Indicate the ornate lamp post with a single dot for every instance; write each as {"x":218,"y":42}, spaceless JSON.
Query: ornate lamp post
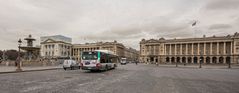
{"x":18,"y":58}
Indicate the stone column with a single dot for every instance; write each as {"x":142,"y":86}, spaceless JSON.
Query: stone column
{"x":217,"y":48}
{"x":165,"y":49}
{"x":170,"y":49}
{"x":186,"y":58}
{"x":231,"y":54}
{"x":198,"y":49}
{"x":204,"y":59}
{"x":192,"y":49}
{"x":186,"y":49}
{"x":175,"y":51}
{"x":224,"y":48}
{"x":78,"y":53}
{"x":181,"y":49}
{"x":211,"y":48}
{"x":204,"y":49}
{"x":170,"y":61}
{"x":153,"y":48}
{"x":210,"y":60}
{"x":231,"y":48}
{"x":149,"y":50}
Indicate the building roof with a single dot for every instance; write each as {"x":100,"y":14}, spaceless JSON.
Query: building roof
{"x":100,"y":44}
{"x":204,"y":38}
{"x":56,"y":38}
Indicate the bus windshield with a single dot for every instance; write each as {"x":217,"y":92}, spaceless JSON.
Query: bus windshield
{"x":89,"y":55}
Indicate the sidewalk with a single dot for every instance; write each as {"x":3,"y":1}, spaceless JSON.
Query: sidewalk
{"x":12,"y":69}
{"x":197,"y":66}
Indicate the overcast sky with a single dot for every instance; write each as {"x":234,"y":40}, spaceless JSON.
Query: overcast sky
{"x":127,"y":21}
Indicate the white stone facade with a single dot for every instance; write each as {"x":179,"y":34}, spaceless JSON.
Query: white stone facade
{"x":56,"y":48}
{"x":208,"y":50}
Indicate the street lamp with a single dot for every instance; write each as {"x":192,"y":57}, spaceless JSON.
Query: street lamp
{"x":18,"y":60}
{"x":200,"y":63}
{"x":200,"y":60}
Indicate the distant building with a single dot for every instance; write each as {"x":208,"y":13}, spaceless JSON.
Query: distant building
{"x":56,"y":46}
{"x":208,"y":50}
{"x":131,"y":54}
{"x":117,"y":48}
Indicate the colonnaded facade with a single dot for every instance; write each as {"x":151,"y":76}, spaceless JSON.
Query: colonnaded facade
{"x":117,"y":48}
{"x":61,"y":47}
{"x":207,"y":50}
{"x":56,"y":47}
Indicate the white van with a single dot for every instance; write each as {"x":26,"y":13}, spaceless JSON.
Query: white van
{"x":123,"y":61}
{"x":70,"y":64}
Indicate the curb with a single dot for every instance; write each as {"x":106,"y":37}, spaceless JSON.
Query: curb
{"x":197,"y":67}
{"x":29,"y":70}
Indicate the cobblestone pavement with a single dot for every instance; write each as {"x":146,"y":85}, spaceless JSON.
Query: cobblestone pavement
{"x":125,"y":79}
{"x":13,"y":68}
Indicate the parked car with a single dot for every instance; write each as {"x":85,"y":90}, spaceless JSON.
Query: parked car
{"x":71,"y":64}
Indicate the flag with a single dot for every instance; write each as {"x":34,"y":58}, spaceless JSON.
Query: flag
{"x":194,"y":23}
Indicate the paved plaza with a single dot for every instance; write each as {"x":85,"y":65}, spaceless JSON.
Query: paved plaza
{"x":9,"y":69}
{"x":128,"y":78}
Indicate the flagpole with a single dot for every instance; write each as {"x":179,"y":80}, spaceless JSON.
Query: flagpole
{"x":194,"y":25}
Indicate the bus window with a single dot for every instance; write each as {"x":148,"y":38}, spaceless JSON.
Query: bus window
{"x":89,"y":56}
{"x":102,"y":58}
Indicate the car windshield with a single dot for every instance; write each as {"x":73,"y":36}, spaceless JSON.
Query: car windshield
{"x":89,"y":55}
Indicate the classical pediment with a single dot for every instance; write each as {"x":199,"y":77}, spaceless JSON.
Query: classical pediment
{"x":49,"y":41}
{"x":152,"y":41}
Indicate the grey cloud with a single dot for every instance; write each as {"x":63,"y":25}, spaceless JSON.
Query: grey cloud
{"x":127,"y":21}
{"x":223,"y":4}
{"x":107,"y":35}
{"x":219,"y":26}
{"x":153,"y":29}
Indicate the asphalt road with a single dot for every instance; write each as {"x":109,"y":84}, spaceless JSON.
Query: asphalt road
{"x":125,"y":79}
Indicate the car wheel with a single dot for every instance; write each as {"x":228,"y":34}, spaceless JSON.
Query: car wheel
{"x":106,"y":67}
{"x":71,"y":67}
{"x":115,"y":66}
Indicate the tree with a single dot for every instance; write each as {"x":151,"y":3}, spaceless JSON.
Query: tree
{"x":1,"y":53}
{"x":12,"y":54}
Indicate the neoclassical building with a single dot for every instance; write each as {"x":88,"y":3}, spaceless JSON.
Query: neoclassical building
{"x":61,"y":47}
{"x":208,"y":50}
{"x":117,"y":48}
{"x":57,"y":47}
